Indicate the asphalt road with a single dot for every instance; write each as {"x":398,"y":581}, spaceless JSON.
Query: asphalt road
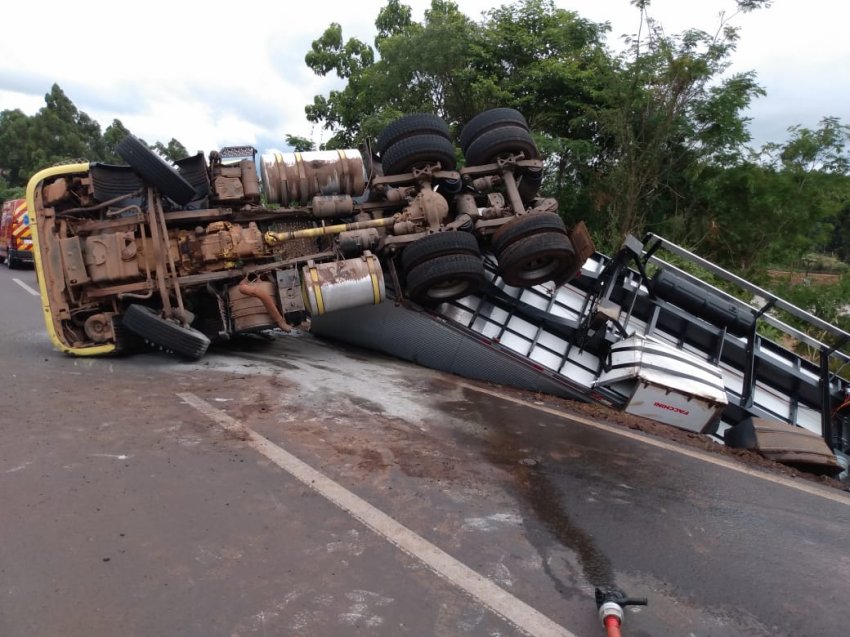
{"x":294,"y":487}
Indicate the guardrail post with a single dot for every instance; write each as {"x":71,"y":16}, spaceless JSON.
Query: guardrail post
{"x":826,"y":408}
{"x":749,"y":369}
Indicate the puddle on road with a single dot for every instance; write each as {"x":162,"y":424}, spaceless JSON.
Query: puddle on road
{"x":509,"y":451}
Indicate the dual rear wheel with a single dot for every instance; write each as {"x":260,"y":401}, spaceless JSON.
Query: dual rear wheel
{"x":442,"y":267}
{"x":415,"y":141}
{"x":533,"y":249}
{"x":445,"y":266}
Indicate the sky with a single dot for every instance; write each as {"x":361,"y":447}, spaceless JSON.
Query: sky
{"x":219,"y":72}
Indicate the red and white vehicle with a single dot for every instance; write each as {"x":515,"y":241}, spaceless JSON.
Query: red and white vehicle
{"x":15,"y":234}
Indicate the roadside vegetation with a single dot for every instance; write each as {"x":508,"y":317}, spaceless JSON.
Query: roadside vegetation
{"x":59,"y":133}
{"x":650,"y":137}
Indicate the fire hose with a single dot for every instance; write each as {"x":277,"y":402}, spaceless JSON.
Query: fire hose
{"x":611,"y":603}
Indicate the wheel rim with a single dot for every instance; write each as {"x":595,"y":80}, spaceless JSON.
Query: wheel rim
{"x":449,"y":289}
{"x":537,"y":258}
{"x":538,"y":267}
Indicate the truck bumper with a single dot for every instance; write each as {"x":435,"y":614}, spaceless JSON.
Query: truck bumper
{"x":21,"y":256}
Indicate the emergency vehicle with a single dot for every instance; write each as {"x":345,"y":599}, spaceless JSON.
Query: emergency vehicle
{"x":15,"y":234}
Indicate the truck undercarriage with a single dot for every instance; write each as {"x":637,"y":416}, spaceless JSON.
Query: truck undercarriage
{"x":180,"y":256}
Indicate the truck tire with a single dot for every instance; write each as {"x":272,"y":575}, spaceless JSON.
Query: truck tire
{"x":525,"y":226}
{"x":438,"y":245}
{"x":126,"y":341}
{"x":498,"y":142}
{"x":153,"y":169}
{"x":409,"y":125}
{"x":445,"y":278}
{"x":547,"y":256}
{"x":417,"y":151}
{"x":194,"y":170}
{"x":147,"y":323}
{"x":488,"y":120}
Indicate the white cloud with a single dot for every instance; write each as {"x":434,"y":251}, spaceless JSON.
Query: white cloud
{"x":215,"y":72}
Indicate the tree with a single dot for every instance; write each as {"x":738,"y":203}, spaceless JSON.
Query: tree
{"x":817,"y":163}
{"x":10,"y":192}
{"x":173,"y":151}
{"x":775,"y":207}
{"x":668,"y":114}
{"x":839,"y":240}
{"x":112,"y":136}
{"x":300,"y":144}
{"x":59,"y":132}
{"x":14,"y":146}
{"x":531,"y":56}
{"x":653,"y":138}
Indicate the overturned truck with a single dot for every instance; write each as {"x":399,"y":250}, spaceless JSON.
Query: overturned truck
{"x":487,"y":280}
{"x":181,"y":255}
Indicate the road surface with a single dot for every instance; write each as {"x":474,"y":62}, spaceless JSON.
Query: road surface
{"x":295,"y":487}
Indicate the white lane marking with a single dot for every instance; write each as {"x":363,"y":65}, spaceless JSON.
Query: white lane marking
{"x":823,"y":492}
{"x":510,"y":608}
{"x":29,"y":289}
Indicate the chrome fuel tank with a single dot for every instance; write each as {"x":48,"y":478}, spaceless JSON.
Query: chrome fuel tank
{"x":297,"y":177}
{"x":340,"y":285}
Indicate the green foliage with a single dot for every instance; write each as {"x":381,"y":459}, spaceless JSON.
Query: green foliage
{"x":10,"y":192}
{"x":830,"y":303}
{"x":531,"y":56}
{"x":14,"y":142}
{"x":627,"y":137}
{"x":790,"y":200}
{"x":112,"y":136}
{"x":651,"y":139}
{"x":172,"y":151}
{"x":300,"y":144}
{"x":823,"y":150}
{"x":668,"y":114}
{"x":59,"y":132}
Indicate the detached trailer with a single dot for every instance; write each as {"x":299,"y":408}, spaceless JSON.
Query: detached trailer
{"x":636,"y":333}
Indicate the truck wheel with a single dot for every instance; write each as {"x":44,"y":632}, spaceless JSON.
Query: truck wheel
{"x":533,"y":260}
{"x":498,"y":142}
{"x":11,"y":262}
{"x":152,"y":168}
{"x":445,"y":278}
{"x":417,"y":152}
{"x":126,"y":341}
{"x":147,"y":323}
{"x":438,"y":245}
{"x":409,"y":125}
{"x":488,"y":120}
{"x":525,"y":226}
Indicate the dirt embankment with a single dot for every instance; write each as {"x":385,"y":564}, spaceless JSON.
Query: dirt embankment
{"x":660,"y":430}
{"x":818,"y":278}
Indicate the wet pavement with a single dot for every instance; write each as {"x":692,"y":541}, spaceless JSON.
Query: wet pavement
{"x":127,"y":511}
